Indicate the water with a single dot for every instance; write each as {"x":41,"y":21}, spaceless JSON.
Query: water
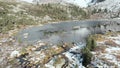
{"x":59,"y":32}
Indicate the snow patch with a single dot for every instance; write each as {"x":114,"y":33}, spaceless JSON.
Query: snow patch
{"x":14,"y":54}
{"x":112,"y":49}
{"x":115,"y":39}
{"x":81,"y":3}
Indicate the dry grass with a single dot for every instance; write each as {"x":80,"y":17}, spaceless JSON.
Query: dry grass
{"x":111,"y":43}
{"x":50,"y":52}
{"x":100,"y":49}
{"x":106,"y":61}
{"x":99,"y":37}
{"x":59,"y":60}
{"x":118,"y":57}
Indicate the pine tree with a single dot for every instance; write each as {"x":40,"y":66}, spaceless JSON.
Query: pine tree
{"x":86,"y":56}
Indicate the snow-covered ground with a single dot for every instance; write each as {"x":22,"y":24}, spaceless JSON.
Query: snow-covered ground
{"x":116,"y":39}
{"x":73,"y":57}
{"x":109,"y":53}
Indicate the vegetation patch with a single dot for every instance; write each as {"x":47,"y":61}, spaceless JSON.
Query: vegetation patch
{"x":58,"y":12}
{"x":90,"y":46}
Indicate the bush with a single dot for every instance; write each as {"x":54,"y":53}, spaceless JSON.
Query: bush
{"x":94,"y":11}
{"x":90,"y":46}
{"x":77,"y":12}
{"x":90,"y":43}
{"x":86,"y":56}
{"x":105,"y":10}
{"x":58,"y":11}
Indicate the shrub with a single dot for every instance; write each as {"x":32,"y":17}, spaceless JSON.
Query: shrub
{"x":77,"y":12}
{"x":90,"y":46}
{"x":90,"y":43}
{"x":58,"y":11}
{"x":86,"y":56}
{"x":94,"y":11}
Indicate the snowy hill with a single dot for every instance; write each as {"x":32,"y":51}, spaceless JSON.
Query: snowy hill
{"x":109,"y":4}
{"x":112,"y":5}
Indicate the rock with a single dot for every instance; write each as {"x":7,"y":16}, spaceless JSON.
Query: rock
{"x":1,"y":60}
{"x":46,"y":18}
{"x":14,"y":54}
{"x":59,"y":62}
{"x":76,"y":27}
{"x":80,"y":3}
{"x":55,"y":62}
{"x":4,"y":40}
{"x":25,"y":35}
{"x":40,"y":43}
{"x":0,"y":43}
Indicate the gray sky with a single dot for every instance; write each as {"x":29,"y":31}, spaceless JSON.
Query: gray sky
{"x":28,"y":0}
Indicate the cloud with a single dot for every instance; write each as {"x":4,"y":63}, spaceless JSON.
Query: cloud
{"x":30,"y":1}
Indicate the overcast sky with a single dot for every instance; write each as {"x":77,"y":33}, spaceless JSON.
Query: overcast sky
{"x":27,"y":0}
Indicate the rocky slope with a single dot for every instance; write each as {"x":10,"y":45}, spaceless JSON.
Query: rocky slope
{"x":110,"y":5}
{"x":106,"y":9}
{"x":97,"y":8}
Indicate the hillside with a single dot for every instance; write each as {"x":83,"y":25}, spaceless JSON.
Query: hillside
{"x":22,"y":13}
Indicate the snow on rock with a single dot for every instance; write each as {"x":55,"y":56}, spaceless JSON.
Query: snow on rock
{"x":46,"y":18}
{"x":50,"y":64}
{"x":113,"y":49}
{"x":55,"y":62}
{"x":116,"y":39}
{"x":72,"y":58}
{"x":40,"y":43}
{"x":112,"y":5}
{"x":3,"y":40}
{"x":14,"y":54}
{"x":75,"y":58}
{"x":77,"y":47}
{"x":108,"y":56}
{"x":82,"y":3}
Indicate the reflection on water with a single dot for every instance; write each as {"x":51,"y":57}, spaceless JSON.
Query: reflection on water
{"x":69,"y":36}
